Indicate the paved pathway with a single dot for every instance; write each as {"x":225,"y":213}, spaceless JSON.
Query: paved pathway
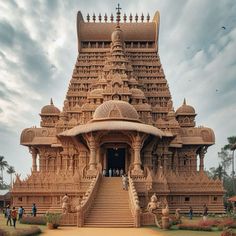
{"x":72,"y":231}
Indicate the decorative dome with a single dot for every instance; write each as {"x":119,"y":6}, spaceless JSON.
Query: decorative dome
{"x":50,"y":109}
{"x":117,"y":35}
{"x":115,"y":109}
{"x":185,"y":110}
{"x":137,"y":93}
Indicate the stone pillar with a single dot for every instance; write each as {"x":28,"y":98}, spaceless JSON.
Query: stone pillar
{"x":34,"y":153}
{"x":137,"y":159}
{"x":34,"y":159}
{"x":92,"y":158}
{"x":201,"y":156}
{"x":42,"y":166}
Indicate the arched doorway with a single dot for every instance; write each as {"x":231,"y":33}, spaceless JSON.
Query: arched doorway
{"x":115,"y":156}
{"x":116,"y":159}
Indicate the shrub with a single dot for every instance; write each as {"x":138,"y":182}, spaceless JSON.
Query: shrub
{"x":174,"y":221}
{"x":37,"y":220}
{"x":226,"y":223}
{"x":210,"y":223}
{"x":228,"y":232}
{"x":195,"y":227}
{"x":53,"y":218}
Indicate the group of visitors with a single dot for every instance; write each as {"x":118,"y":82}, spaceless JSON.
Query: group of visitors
{"x":113,"y":173}
{"x":11,"y":214}
{"x":204,"y":213}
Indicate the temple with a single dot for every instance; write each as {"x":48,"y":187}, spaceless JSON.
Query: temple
{"x":117,"y":115}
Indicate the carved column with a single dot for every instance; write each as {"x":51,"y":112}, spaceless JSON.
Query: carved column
{"x":42,"y":161}
{"x":34,"y":153}
{"x":201,"y":156}
{"x":137,"y":159}
{"x":92,"y":158}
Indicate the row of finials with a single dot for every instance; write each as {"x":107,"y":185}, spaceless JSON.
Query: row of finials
{"x":136,"y":17}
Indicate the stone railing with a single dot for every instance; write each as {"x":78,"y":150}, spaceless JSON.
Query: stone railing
{"x":87,"y":200}
{"x":134,"y":203}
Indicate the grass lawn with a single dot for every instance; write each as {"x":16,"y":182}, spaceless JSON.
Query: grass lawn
{"x":11,"y":229}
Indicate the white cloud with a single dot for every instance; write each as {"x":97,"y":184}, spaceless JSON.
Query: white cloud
{"x":38,"y":50}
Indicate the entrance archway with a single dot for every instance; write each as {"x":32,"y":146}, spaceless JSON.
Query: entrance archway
{"x":116,"y":158}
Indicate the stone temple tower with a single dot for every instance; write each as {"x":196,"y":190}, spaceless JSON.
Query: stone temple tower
{"x":118,"y":117}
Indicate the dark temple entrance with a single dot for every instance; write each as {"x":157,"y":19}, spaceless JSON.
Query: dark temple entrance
{"x":116,"y":158}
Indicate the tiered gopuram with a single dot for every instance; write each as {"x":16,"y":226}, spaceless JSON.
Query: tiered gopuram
{"x":118,"y":115}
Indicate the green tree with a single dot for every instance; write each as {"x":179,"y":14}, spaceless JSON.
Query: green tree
{"x":231,"y":146}
{"x":10,"y":171}
{"x":225,"y":158}
{"x":218,"y":172}
{"x":3,"y":165}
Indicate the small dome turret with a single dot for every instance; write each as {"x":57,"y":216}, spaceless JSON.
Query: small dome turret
{"x":49,"y":115}
{"x":50,"y":109}
{"x":185,"y":115}
{"x":185,"y":109}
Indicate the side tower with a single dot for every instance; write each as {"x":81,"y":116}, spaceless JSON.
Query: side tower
{"x":118,"y":114}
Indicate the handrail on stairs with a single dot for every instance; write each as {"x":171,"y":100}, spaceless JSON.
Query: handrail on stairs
{"x":134,"y":202}
{"x":88,"y":199}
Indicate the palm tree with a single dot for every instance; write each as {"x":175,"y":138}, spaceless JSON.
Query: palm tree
{"x":10,"y":171}
{"x":3,"y":165}
{"x":231,"y":146}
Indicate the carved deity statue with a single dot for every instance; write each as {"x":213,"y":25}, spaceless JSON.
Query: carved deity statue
{"x":65,"y":204}
{"x":153,"y":204}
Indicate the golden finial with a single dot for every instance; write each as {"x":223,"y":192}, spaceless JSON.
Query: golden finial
{"x":118,"y":14}
{"x":105,"y":17}
{"x":125,"y":17}
{"x":130,"y":17}
{"x":88,"y":17}
{"x":94,"y":17}
{"x":112,"y":17}
{"x":142,"y":17}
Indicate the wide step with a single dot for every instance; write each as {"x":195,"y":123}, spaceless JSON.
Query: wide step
{"x":111,"y":206}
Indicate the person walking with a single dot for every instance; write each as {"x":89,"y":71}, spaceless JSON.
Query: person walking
{"x":14,"y":216}
{"x":117,"y":172}
{"x":20,"y":213}
{"x":190,"y":213}
{"x":121,"y":172}
{"x":104,"y":172}
{"x":125,"y":182}
{"x":110,"y":172}
{"x":34,"y":210}
{"x":205,"y":212}
{"x":8,"y":215}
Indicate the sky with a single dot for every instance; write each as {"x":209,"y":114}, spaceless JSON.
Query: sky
{"x":38,"y":50}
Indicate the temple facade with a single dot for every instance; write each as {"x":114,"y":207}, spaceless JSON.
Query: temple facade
{"x":117,"y":115}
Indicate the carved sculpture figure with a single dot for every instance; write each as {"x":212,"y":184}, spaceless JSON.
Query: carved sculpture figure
{"x":153,"y":204}
{"x":65,"y":204}
{"x":177,"y":215}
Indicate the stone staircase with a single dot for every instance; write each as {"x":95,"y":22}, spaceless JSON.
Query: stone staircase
{"x":111,"y":206}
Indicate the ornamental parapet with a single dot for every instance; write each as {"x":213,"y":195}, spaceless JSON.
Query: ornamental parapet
{"x":38,"y":136}
{"x":197,"y":136}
